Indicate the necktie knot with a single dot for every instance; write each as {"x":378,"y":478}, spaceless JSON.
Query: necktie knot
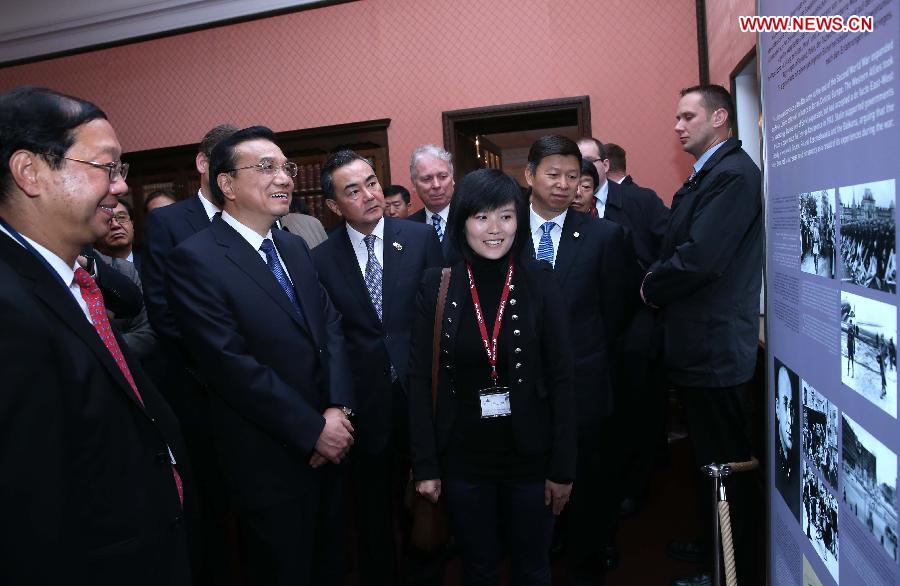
{"x":267,"y":246}
{"x":545,"y":246}
{"x":547,"y":227}
{"x":84,"y":280}
{"x":370,"y":243}
{"x":436,"y":222}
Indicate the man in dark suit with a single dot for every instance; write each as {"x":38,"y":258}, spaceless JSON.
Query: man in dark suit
{"x":266,"y":337}
{"x":165,"y":228}
{"x":707,"y":285}
{"x":93,"y":485}
{"x":120,"y":240}
{"x":594,"y":265}
{"x":431,"y":173}
{"x":618,"y":165}
{"x":371,"y":267}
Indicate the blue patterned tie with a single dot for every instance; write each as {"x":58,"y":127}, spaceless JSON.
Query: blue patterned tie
{"x":373,"y":274}
{"x":436,"y":222}
{"x":277,"y":270}
{"x":545,"y":246}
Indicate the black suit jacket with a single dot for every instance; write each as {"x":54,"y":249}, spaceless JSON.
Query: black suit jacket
{"x":595,"y":269}
{"x":537,"y":339}
{"x":166,"y":227}
{"x":271,"y":371}
{"x":86,"y":494}
{"x":642,"y":214}
{"x":451,"y":255}
{"x":710,"y":273}
{"x":409,"y":249}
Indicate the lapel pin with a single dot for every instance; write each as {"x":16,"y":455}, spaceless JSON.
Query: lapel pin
{"x":576,"y":234}
{"x":398,"y":246}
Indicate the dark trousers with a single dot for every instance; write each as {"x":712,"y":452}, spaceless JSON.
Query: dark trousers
{"x":378,"y":480}
{"x":594,"y":506}
{"x":299,"y":541}
{"x":719,"y":428}
{"x":486,"y":515}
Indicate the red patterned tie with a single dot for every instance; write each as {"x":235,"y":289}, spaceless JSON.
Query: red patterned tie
{"x":594,"y":212}
{"x":94,"y":299}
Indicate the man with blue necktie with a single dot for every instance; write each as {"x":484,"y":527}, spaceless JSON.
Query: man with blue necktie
{"x":264,"y":333}
{"x":431,"y":172}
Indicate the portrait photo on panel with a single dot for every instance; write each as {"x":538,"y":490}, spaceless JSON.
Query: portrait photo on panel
{"x":820,"y":519}
{"x":820,"y":433}
{"x":867,"y":241}
{"x":869,"y":350}
{"x":787,"y":441}
{"x":817,"y":244}
{"x":869,"y":480}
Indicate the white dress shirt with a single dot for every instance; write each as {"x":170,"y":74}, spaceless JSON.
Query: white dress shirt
{"x":600,"y":199}
{"x":65,"y":272}
{"x":555,"y":233}
{"x":359,"y":246}
{"x":208,"y":207}
{"x":255,"y":240}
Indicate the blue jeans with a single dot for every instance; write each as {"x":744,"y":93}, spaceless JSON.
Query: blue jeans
{"x":486,"y":515}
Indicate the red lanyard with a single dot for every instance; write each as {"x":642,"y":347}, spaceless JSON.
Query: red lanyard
{"x":490,"y":346}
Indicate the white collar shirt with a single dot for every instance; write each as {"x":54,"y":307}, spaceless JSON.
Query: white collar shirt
{"x":600,"y":197}
{"x":255,"y":240}
{"x":555,"y":233}
{"x":359,"y":246}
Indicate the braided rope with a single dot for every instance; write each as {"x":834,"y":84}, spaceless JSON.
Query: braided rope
{"x":750,"y":464}
{"x":727,"y":544}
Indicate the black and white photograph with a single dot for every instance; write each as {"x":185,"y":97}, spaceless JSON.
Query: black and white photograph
{"x":820,"y":433}
{"x":809,"y":574}
{"x":817,"y":244}
{"x":869,"y":350}
{"x":869,"y":479}
{"x":820,"y":519}
{"x":787,"y":444}
{"x":868,"y":247}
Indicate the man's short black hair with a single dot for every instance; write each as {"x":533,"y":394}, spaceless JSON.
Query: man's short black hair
{"x":482,"y":190}
{"x":549,"y":145}
{"x":335,"y":162}
{"x":223,"y":157}
{"x":127,"y":205}
{"x":216,"y":135}
{"x":714,"y":97}
{"x":392,"y":190}
{"x":589,"y":169}
{"x":42,"y":121}
{"x":601,"y":148}
{"x":616,"y":156}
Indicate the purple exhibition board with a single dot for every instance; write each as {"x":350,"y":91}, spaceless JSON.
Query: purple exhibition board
{"x":832,"y":163}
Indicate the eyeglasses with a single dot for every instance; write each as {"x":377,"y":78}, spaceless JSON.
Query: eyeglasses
{"x":116,"y":169}
{"x":122,"y":219}
{"x":269,"y":168}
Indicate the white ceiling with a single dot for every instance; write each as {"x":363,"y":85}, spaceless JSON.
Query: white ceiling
{"x":34,"y":28}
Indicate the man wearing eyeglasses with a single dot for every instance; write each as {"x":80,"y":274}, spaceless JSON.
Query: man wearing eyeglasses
{"x":94,"y":488}
{"x":119,"y":241}
{"x":265,"y":336}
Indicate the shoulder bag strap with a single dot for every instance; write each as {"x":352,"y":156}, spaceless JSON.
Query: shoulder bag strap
{"x":436,"y":340}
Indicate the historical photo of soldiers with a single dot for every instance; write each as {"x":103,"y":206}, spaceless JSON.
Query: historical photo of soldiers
{"x":820,"y":519}
{"x":817,"y":248}
{"x":787,"y":445}
{"x":868,"y":246}
{"x":820,"y":433}
{"x":869,"y":479}
{"x":869,"y":349}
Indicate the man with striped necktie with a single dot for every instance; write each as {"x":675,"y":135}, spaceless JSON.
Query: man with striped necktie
{"x":431,"y":173}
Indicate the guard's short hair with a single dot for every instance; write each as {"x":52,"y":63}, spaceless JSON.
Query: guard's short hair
{"x":616,"y":157}
{"x":216,"y":135}
{"x":429,"y":150}
{"x":549,"y":145}
{"x":42,"y":121}
{"x":335,"y":162}
{"x":714,"y":97}
{"x":223,"y":157}
{"x":392,"y":190}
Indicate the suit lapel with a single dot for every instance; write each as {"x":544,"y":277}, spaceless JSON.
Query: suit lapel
{"x":248,"y":260}
{"x":59,"y":300}
{"x":569,"y":244}
{"x":349,"y":268}
{"x":393,"y":262}
{"x":196,"y":217}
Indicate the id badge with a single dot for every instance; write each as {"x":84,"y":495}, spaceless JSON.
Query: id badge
{"x":494,"y":402}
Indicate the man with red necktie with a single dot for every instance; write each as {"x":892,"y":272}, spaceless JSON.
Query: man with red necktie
{"x":93,"y":487}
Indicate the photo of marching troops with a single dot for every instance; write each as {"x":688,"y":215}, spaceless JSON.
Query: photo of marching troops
{"x":869,"y":479}
{"x":820,"y":519}
{"x":868,"y":246}
{"x":820,"y":437}
{"x":869,"y":350}
{"x":817,"y":249}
